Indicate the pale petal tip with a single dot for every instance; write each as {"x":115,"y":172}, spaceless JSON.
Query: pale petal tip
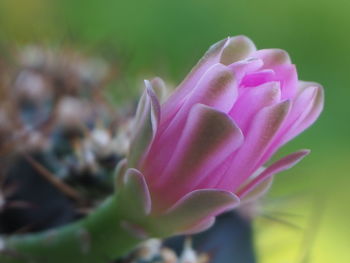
{"x":301,"y":154}
{"x":155,"y":106}
{"x":236,"y":48}
{"x":241,"y":39}
{"x":274,"y":56}
{"x":215,"y":118}
{"x":159,"y":88}
{"x":119,"y":175}
{"x":137,"y":185}
{"x":148,"y":85}
{"x":305,"y":152}
{"x":317,"y":87}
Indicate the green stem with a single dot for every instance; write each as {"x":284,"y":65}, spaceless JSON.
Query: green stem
{"x":99,"y":238}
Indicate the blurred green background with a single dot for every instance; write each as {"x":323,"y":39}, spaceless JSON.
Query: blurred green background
{"x":166,"y":38}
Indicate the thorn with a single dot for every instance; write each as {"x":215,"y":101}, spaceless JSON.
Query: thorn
{"x":281,"y":221}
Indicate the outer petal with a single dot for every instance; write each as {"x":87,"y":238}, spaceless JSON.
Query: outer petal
{"x":145,"y":125}
{"x":260,"y":135}
{"x":142,"y":107}
{"x":198,"y":206}
{"x":208,"y":139}
{"x":226,"y":51}
{"x":259,"y":190}
{"x":135,"y":195}
{"x":302,"y":105}
{"x":311,"y":109}
{"x":305,"y":110}
{"x":200,"y":227}
{"x":255,"y":187}
{"x":155,"y":107}
{"x":160,"y":88}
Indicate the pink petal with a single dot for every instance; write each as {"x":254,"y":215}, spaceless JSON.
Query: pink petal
{"x":252,"y":100}
{"x":279,"y":61}
{"x":312,"y":110}
{"x":273,"y":57}
{"x":209,"y":137}
{"x":259,"y":77}
{"x":260,"y":136}
{"x":288,"y":77}
{"x":258,"y":191}
{"x":246,"y":66}
{"x":305,"y":110}
{"x":216,"y":88}
{"x":281,"y":165}
{"x":226,"y":51}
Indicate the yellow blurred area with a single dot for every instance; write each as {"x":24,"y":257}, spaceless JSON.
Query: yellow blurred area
{"x":32,"y":20}
{"x":310,"y":226}
{"x":322,"y":237}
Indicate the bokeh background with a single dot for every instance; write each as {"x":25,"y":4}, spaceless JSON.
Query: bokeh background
{"x":306,"y":216}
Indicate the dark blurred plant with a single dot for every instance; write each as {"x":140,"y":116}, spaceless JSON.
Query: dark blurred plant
{"x":59,"y":137}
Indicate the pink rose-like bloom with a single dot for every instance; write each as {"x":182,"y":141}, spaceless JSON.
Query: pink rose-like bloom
{"x":202,"y":152}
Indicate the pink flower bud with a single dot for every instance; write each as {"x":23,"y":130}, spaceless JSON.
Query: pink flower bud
{"x":202,"y":152}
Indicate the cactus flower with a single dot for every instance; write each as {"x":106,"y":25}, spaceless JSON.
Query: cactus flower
{"x":203,"y":150}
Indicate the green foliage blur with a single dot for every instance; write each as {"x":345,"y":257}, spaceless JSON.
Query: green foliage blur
{"x":165,"y":38}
